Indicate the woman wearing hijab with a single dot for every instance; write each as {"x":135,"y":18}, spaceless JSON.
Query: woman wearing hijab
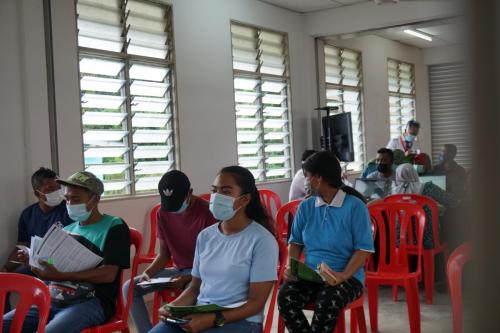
{"x":407,"y":181}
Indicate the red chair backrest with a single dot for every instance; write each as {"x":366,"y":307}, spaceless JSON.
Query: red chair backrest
{"x":205,"y":196}
{"x":270,"y":199}
{"x":285,"y":215}
{"x":153,"y":232}
{"x":422,"y":201}
{"x":454,"y":268}
{"x":123,"y":308}
{"x":283,"y":257}
{"x":31,"y":291}
{"x":387,"y":216}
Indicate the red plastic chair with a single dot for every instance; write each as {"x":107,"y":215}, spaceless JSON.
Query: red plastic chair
{"x":429,"y":254}
{"x":269,"y":199}
{"x":393,"y":268}
{"x":119,"y":322}
{"x":284,"y":216}
{"x":283,"y":257}
{"x":150,"y":255}
{"x":205,"y":196}
{"x":31,"y":291}
{"x":455,"y":265}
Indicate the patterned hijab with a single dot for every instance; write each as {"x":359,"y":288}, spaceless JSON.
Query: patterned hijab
{"x":407,"y":180}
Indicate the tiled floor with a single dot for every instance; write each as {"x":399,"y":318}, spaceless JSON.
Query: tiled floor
{"x":393,"y":316}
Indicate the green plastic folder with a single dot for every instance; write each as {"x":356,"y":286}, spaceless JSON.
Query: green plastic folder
{"x":179,"y":311}
{"x":304,"y":272}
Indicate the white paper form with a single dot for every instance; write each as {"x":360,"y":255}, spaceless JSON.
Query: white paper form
{"x":65,"y":252}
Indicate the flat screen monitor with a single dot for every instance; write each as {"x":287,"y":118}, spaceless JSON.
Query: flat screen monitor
{"x":436,"y":180}
{"x":337,"y":131}
{"x":373,"y":188}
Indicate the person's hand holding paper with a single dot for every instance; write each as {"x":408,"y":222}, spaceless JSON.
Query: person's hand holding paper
{"x":49,"y":272}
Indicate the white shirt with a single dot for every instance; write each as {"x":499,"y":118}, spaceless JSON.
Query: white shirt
{"x":397,"y":143}
{"x":297,"y":188}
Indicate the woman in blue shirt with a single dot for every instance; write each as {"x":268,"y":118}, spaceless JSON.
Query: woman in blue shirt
{"x":235,"y":261}
{"x":331,"y":227}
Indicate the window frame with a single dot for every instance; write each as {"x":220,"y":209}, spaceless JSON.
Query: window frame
{"x":359,"y":88}
{"x":237,"y":73}
{"x":128,"y":60}
{"x":400,"y":95}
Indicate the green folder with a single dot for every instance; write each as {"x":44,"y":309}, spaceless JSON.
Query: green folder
{"x":179,"y":311}
{"x":304,"y":272}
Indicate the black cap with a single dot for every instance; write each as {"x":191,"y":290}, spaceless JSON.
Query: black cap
{"x":173,"y":187}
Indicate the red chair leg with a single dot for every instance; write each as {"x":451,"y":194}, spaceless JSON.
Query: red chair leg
{"x":354,"y":321}
{"x":429,"y":275}
{"x":281,"y":325}
{"x":340,"y":327}
{"x":413,"y":302}
{"x":395,"y":292}
{"x":359,"y":320}
{"x":373,"y":305}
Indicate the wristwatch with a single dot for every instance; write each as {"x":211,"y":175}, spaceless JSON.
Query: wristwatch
{"x":219,"y":319}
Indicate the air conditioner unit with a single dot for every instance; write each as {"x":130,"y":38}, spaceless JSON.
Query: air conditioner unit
{"x":385,"y":2}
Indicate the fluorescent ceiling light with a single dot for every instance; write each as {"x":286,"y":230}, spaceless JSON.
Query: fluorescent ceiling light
{"x":418,"y":34}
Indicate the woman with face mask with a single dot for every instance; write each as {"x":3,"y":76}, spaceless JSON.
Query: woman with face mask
{"x":235,"y":261}
{"x":331,"y":227}
{"x":407,"y":181}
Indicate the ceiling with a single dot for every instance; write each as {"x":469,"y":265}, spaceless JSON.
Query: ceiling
{"x":307,"y":6}
{"x":443,"y":32}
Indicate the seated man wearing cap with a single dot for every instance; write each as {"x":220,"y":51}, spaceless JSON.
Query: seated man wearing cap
{"x":88,"y":297}
{"x":181,"y":217}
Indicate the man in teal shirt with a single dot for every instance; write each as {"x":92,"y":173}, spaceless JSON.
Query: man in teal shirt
{"x":105,"y":235}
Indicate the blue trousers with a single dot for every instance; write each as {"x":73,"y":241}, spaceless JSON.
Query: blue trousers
{"x":67,"y":319}
{"x":242,"y":326}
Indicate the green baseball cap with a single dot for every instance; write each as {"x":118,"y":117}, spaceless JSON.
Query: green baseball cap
{"x":86,"y":180}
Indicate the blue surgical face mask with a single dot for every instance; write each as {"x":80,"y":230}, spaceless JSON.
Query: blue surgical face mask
{"x":419,"y":168}
{"x":78,"y":212}
{"x":221,"y":206}
{"x":410,"y":137}
{"x":183,"y":207}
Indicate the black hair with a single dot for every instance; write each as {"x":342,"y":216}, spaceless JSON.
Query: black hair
{"x":307,"y":153}
{"x":245,"y":180}
{"x":39,"y":176}
{"x":452,"y":150}
{"x":388,"y":152}
{"x":413,"y":123}
{"x":327,"y":165}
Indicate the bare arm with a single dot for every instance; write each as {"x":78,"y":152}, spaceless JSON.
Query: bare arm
{"x":257,"y":297}
{"x":357,"y":260}
{"x":14,"y":255}
{"x":160,"y":261}
{"x":294,"y":251}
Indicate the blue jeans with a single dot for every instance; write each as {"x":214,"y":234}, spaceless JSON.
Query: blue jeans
{"x":138,"y":309}
{"x":62,"y":319}
{"x":242,"y":326}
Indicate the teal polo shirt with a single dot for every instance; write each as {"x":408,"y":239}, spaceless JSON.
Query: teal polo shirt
{"x":331,"y":233}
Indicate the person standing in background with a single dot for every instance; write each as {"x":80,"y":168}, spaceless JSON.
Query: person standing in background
{"x":408,"y":141}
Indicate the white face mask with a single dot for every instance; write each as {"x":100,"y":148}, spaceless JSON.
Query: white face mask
{"x":53,"y":199}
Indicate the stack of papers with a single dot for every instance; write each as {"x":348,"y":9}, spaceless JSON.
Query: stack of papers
{"x":179,"y":311}
{"x":63,"y":251}
{"x":154,"y":281}
{"x":304,"y":272}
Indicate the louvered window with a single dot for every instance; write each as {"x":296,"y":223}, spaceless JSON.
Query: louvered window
{"x":126,"y":76}
{"x":401,"y":95}
{"x":262,"y":101}
{"x":450,"y":121}
{"x":343,"y":79}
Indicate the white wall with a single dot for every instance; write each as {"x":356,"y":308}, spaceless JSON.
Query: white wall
{"x":444,"y":54}
{"x":25,"y":143}
{"x":375,"y":51}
